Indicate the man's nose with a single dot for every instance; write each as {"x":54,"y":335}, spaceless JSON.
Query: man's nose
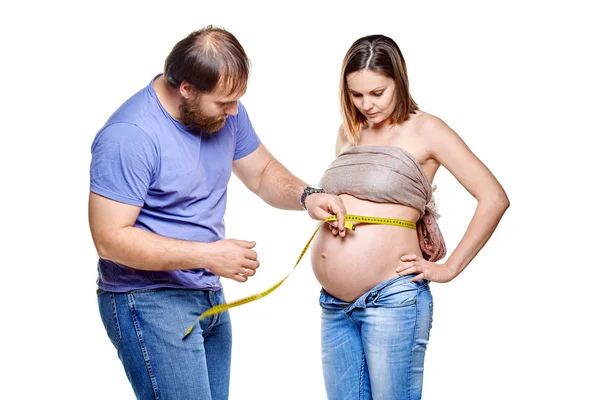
{"x":232,"y":109}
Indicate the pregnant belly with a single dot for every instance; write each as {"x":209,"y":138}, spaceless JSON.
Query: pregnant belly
{"x":348,"y":267}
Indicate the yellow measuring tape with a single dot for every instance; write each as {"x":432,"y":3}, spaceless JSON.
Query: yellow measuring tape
{"x":347,"y":224}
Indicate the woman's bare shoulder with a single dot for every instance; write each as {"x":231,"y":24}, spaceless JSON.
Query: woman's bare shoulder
{"x":342,"y":141}
{"x":429,"y":126}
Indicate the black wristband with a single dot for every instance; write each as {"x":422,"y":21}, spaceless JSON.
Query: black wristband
{"x":307,"y":192}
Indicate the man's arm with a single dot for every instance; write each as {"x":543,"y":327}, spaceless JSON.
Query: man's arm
{"x":269,"y":179}
{"x":116,"y":239}
{"x":278,"y":187}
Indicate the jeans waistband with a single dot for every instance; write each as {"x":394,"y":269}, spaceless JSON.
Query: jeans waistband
{"x":362,"y":301}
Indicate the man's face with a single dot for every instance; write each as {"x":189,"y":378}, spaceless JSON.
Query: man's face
{"x":208,"y":112}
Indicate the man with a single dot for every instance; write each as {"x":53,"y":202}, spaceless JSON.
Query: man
{"x":158,"y":188}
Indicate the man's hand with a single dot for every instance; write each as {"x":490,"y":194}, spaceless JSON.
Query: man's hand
{"x":321,"y":206}
{"x":234,"y":259}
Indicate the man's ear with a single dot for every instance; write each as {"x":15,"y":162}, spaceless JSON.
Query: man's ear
{"x":187,"y":90}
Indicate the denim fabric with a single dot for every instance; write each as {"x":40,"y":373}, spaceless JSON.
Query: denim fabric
{"x":374,"y":347}
{"x":147,"y":327}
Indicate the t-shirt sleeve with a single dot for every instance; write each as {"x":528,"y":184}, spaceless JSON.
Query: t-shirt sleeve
{"x":123,"y":163}
{"x":246,"y":140}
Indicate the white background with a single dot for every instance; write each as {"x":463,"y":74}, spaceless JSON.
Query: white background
{"x":518,"y":80}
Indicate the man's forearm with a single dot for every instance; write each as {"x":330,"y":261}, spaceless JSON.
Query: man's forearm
{"x":140,"y":249}
{"x":280,"y":188}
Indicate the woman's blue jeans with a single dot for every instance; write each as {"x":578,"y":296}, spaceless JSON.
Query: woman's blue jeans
{"x":147,"y":327}
{"x":374,"y":347}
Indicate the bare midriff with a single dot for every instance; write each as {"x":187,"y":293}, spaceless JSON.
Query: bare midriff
{"x":348,"y":267}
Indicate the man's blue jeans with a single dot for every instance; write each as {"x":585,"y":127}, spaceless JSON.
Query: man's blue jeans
{"x":147,"y":327}
{"x":374,"y":347}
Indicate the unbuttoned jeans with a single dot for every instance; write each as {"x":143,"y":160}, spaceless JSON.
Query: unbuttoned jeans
{"x":374,"y":347}
{"x":147,"y":329}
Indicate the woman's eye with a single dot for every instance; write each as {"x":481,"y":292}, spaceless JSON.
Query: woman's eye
{"x":377,"y":94}
{"x":356,"y":95}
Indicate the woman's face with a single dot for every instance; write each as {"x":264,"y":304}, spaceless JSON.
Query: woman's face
{"x":372,"y":93}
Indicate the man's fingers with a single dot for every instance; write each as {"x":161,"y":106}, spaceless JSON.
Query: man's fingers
{"x":245,"y":243}
{"x":250,"y":255}
{"x":246,"y":272}
{"x":320,"y":214}
{"x":339,"y":213}
{"x":239,"y":278}
{"x":342,"y":206}
{"x":251,"y":264}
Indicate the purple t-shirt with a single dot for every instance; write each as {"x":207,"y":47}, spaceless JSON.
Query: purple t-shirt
{"x":143,"y":157}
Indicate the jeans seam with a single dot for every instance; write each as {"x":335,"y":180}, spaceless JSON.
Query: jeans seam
{"x":362,"y":377}
{"x":412,"y":349}
{"x":214,"y":318}
{"x":113,"y":303}
{"x":138,"y":332}
{"x":349,"y":316}
{"x":142,"y":291}
{"x":430,"y":320}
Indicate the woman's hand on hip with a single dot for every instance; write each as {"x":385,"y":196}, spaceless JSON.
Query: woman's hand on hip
{"x":414,"y":264}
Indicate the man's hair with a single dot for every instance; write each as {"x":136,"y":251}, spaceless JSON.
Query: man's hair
{"x":380,"y":54}
{"x":210,"y":59}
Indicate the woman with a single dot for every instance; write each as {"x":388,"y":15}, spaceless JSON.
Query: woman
{"x":377,"y":306}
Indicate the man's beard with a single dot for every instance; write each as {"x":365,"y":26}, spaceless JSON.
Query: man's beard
{"x":192,"y":115}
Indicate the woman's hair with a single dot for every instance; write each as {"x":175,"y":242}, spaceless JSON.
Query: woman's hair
{"x":210,"y":58}
{"x":381,"y":54}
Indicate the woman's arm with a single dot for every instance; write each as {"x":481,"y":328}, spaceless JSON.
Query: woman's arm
{"x":341,"y":142}
{"x":451,"y":151}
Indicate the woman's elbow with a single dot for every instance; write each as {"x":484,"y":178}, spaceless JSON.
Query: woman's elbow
{"x":501,"y":201}
{"x":496,"y":199}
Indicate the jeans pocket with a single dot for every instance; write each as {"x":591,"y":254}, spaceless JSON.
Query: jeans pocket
{"x":403,"y":294}
{"x":108,"y":313}
{"x":327,"y":301}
